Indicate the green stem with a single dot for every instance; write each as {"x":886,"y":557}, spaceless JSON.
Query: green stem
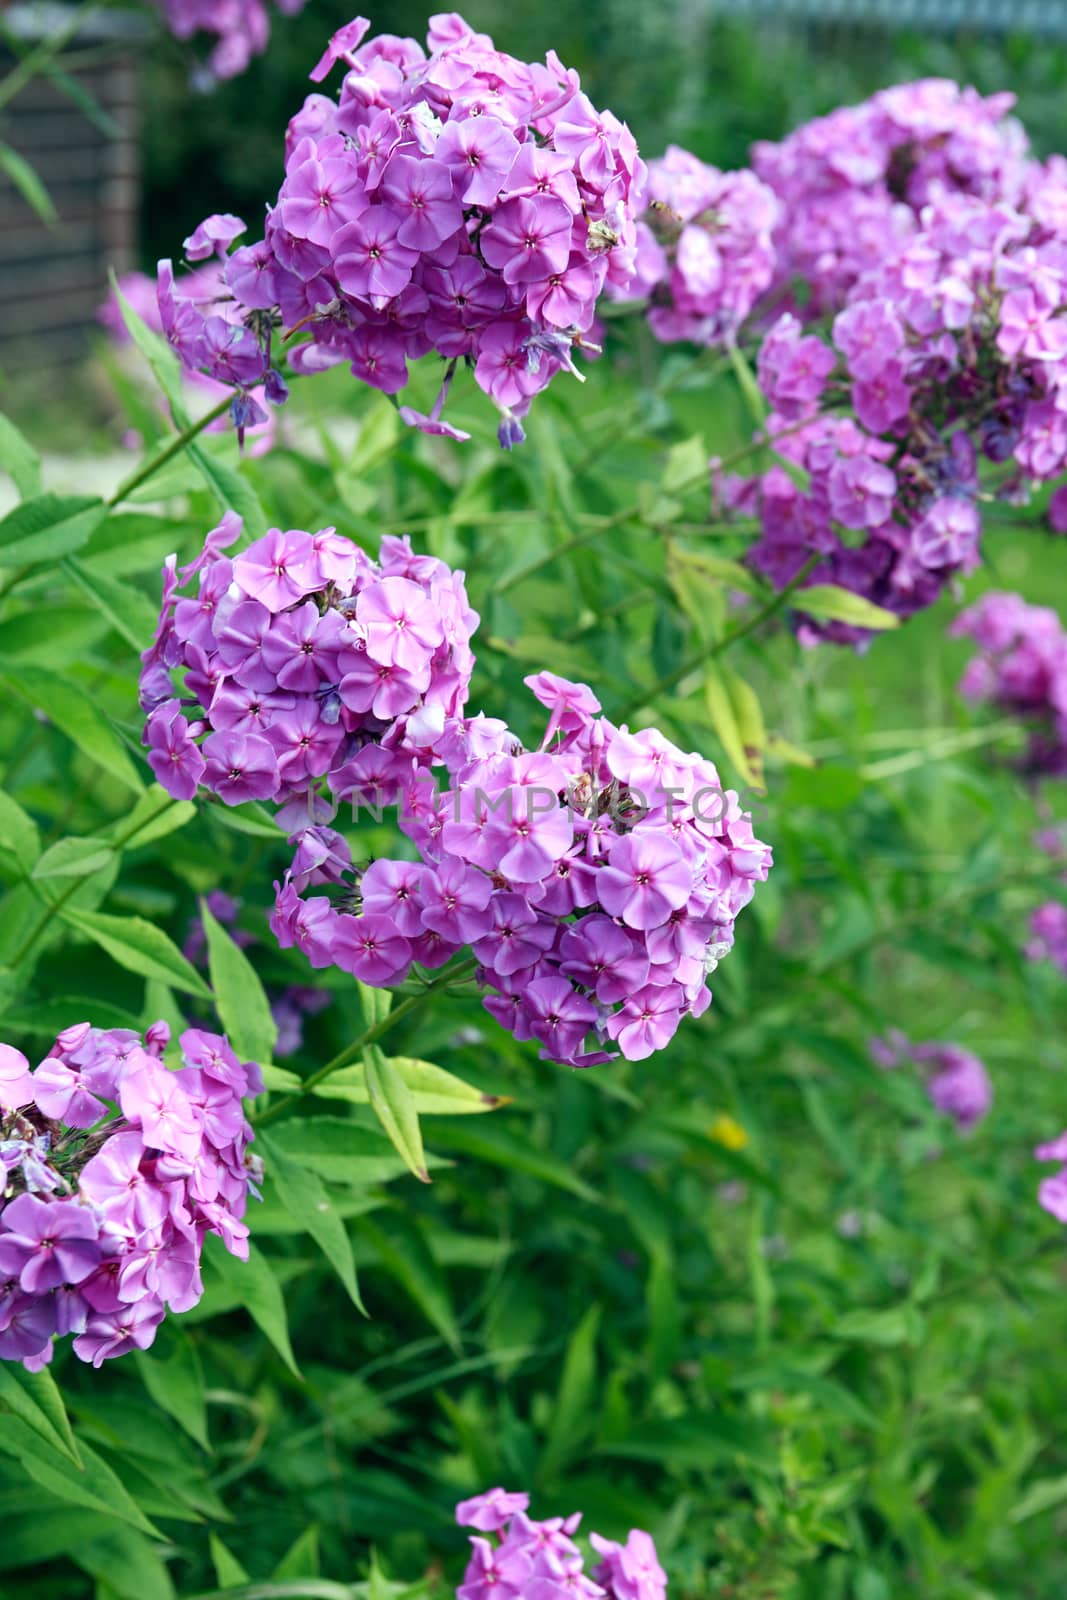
{"x":371,"y":1035}
{"x":709,"y":652}
{"x":148,"y":469}
{"x":634,"y":513}
{"x":941,"y":750}
{"x":75,"y":884}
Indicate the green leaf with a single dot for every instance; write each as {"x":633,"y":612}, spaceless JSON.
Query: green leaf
{"x":165,"y":366}
{"x":140,"y":947}
{"x":574,"y":1407}
{"x":73,"y":858}
{"x":232,"y":491}
{"x":161,"y":1006}
{"x":46,"y":1019}
{"x":128,"y":611}
{"x":48,"y":526}
{"x":340,"y":1151}
{"x":228,"y":1570}
{"x":379,"y":430}
{"x":841,"y":605}
{"x":18,"y":832}
{"x":254,"y":1285}
{"x":27,"y":183}
{"x":737,"y":718}
{"x":35,"y":1399}
{"x":127,"y":1566}
{"x":75,"y":714}
{"x":19,"y":459}
{"x":896,"y":1325}
{"x":154,"y":816}
{"x":394,"y":1105}
{"x":697,"y":1440}
{"x":434,"y":1090}
{"x":375,"y":1004}
{"x":830,"y":1395}
{"x":304,"y":1197}
{"x":689,"y":568}
{"x":754,"y":398}
{"x":401,"y":1245}
{"x":1040,"y":1496}
{"x":301,"y":1560}
{"x":243,"y":1008}
{"x":687,"y":465}
{"x":93,"y":1485}
{"x":173,"y":1376}
{"x":72,"y":632}
{"x":251,"y":819}
{"x":489,"y":1141}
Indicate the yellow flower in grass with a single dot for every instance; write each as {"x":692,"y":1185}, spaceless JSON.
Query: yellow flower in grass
{"x":730,"y":1134}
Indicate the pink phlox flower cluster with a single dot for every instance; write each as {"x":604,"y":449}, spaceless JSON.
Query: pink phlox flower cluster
{"x":852,"y":185}
{"x":1021,"y":667}
{"x":113,"y":1169}
{"x":596,"y":881}
{"x":705,"y":251}
{"x":956,"y":1079}
{"x":299,"y":663}
{"x":452,"y":200}
{"x":951,"y":356}
{"x":515,"y":1558}
{"x":204,"y":287}
{"x":210,"y":333}
{"x":241,"y":27}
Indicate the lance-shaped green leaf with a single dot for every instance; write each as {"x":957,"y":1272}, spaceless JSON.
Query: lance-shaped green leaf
{"x":375,"y":1004}
{"x":435,"y":1091}
{"x":232,"y":491}
{"x":19,"y":459}
{"x":173,"y":1376}
{"x":394,"y":1105}
{"x":491,"y":1141}
{"x":304,"y":1196}
{"x":18,"y":833}
{"x":754,"y":398}
{"x":254,"y":1286}
{"x":73,"y":858}
{"x":574,"y":1409}
{"x":128,"y":611}
{"x":34,"y":1397}
{"x":28,"y":184}
{"x":140,"y":947}
{"x":401,"y":1245}
{"x":826,"y":600}
{"x":48,"y":527}
{"x":153,"y":817}
{"x":239,"y":998}
{"x":737,"y":718}
{"x":75,"y":714}
{"x":93,"y":1484}
{"x":166,"y":368}
{"x":228,"y":1570}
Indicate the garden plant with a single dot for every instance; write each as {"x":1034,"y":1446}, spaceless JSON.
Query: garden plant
{"x":533,"y":842}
